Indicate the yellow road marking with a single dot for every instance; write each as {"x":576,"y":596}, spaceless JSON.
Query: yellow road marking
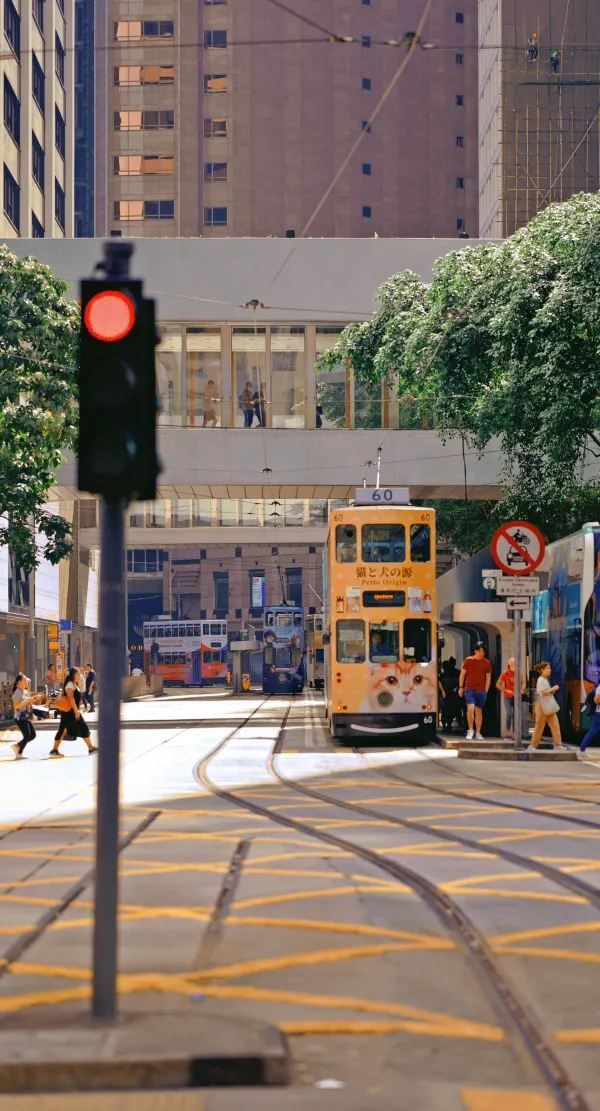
{"x":482,"y":1099}
{"x":581,"y":1037}
{"x":545,"y":931}
{"x":391,"y":1026}
{"x":301,"y":960}
{"x":295,"y":896}
{"x":550,"y":954}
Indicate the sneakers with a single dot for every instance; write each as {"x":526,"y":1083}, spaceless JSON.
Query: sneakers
{"x":478,"y":737}
{"x":470,"y":734}
{"x":532,"y":748}
{"x":56,"y":755}
{"x":92,"y":750}
{"x":562,"y":748}
{"x":18,"y":755}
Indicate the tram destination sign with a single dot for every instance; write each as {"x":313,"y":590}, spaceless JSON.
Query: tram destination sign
{"x":382,"y":495}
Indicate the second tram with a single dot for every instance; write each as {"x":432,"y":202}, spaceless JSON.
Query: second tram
{"x":315,"y":653}
{"x":283,"y":656}
{"x":186,"y":653}
{"x":380,"y":624}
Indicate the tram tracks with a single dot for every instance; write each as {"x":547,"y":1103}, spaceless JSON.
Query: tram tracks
{"x":516,"y":1019}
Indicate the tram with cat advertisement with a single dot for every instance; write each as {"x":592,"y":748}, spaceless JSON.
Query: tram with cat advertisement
{"x":380,"y":628}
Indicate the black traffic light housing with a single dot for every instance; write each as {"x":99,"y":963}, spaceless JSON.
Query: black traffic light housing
{"x":117,"y":390}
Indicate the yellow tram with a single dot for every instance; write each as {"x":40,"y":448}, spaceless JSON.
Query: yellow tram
{"x":380,"y":620}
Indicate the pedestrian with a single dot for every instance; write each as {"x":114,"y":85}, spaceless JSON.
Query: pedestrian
{"x":594,"y":729}
{"x":546,"y":709}
{"x":72,"y":723}
{"x":448,"y":684}
{"x":210,"y":402}
{"x":51,"y":679}
{"x":22,"y":702}
{"x":247,"y":405}
{"x":532,"y":48}
{"x":474,"y":684}
{"x":506,"y":685}
{"x":90,"y":687}
{"x":555,"y":61}
{"x":258,"y":398}
{"x":319,"y":416}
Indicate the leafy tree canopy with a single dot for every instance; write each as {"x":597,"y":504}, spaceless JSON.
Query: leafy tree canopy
{"x":38,"y":411}
{"x":504,"y":343}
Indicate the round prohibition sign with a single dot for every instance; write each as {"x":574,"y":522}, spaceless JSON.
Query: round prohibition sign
{"x":518,"y":547}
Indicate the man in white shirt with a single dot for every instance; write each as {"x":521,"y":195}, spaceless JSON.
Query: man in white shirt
{"x":594,"y":729}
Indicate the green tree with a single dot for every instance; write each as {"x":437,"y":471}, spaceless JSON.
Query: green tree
{"x":38,"y":409}
{"x":504,"y":345}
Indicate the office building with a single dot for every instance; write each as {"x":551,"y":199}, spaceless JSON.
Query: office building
{"x":84,"y":117}
{"x":37,"y":74}
{"x":219,"y":118}
{"x":539,"y":124}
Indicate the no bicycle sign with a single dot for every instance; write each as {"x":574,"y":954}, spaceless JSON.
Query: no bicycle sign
{"x":518,"y":548}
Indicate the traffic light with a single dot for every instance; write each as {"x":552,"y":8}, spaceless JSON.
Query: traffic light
{"x":117,"y":391}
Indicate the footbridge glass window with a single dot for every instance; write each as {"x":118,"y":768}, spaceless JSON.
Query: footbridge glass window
{"x":287,"y":377}
{"x":169,"y":378}
{"x":204,"y":391}
{"x":333,"y":408}
{"x":249,"y":357}
{"x":350,"y":642}
{"x":383,"y":543}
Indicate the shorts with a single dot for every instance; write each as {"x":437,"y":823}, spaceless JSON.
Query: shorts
{"x":509,"y":706}
{"x":476,"y":698}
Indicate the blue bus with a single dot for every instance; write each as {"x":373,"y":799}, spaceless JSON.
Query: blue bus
{"x":283,"y":655}
{"x":565,"y":624}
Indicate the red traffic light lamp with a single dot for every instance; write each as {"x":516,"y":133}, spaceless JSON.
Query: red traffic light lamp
{"x":110,"y":315}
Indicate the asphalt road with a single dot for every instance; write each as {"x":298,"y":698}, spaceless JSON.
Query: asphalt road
{"x":424,"y":930}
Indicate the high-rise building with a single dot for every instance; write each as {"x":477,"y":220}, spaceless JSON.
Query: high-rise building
{"x":36,"y":70}
{"x":539,"y":108}
{"x":229,"y":118}
{"x":84,"y":117}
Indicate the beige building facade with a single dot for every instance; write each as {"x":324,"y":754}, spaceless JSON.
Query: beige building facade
{"x":36,"y":71}
{"x":539,"y":119}
{"x":221,"y":118}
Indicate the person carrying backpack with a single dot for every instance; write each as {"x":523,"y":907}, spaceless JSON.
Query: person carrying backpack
{"x":594,"y":729}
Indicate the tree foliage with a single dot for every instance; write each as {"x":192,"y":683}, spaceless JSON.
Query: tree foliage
{"x":38,"y":328}
{"x":504,"y":343}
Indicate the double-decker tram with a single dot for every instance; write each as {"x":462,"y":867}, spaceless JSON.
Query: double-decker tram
{"x":380,"y":620}
{"x":283,"y":656}
{"x":315,"y":653}
{"x":186,"y":653}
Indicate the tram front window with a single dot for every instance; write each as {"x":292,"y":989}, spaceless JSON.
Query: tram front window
{"x":350,"y":646}
{"x":345,"y":543}
{"x":383,"y":543}
{"x":420,"y":543}
{"x":384,"y":642}
{"x":417,"y":640}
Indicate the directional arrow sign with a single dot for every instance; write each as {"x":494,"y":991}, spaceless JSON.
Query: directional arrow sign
{"x":506,"y":586}
{"x":518,"y":603}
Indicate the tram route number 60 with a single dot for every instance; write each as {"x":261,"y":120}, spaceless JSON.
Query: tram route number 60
{"x":428,"y":720}
{"x":384,"y":495}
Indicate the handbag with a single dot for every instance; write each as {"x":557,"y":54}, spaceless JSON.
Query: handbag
{"x":549,"y":704}
{"x":62,"y":703}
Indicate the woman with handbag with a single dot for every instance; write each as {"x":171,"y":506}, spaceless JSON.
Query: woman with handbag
{"x":546,"y":710}
{"x":72,"y":722}
{"x":22,"y":703}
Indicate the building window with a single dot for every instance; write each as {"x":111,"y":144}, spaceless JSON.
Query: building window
{"x":460,"y":224}
{"x":459,"y":59}
{"x":59,"y":204}
{"x":37,"y":161}
{"x":37,"y":229}
{"x":12,"y":199}
{"x":460,"y":17}
{"x":366,"y":126}
{"x":215,"y":171}
{"x":215,"y":82}
{"x":215,"y":2}
{"x":216,"y":39}
{"x":215,"y":129}
{"x":12,"y":27}
{"x":215,"y":217}
{"x":366,"y":83}
{"x":144,"y":210}
{"x":60,"y":59}
{"x":366,"y":40}
{"x":128,"y":76}
{"x":460,"y":140}
{"x":460,"y":100}
{"x":144,"y":120}
{"x":366,"y":169}
{"x":38,"y":83}
{"x":460,"y":183}
{"x":132,"y":165}
{"x":38,"y":13}
{"x":59,"y":132}
{"x":221,"y":583}
{"x":12,"y":112}
{"x":126,"y":30}
{"x":367,"y":3}
{"x":366,"y":211}
{"x":293,"y":585}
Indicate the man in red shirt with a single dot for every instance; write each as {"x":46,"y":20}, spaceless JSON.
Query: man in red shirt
{"x":474,"y":683}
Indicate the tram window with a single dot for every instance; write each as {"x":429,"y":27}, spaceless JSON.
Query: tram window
{"x":417,"y":640}
{"x":420,"y":543}
{"x":298,"y":619}
{"x":345,"y":544}
{"x":282,"y":620}
{"x":160,"y":632}
{"x":197,"y":630}
{"x":318,"y":624}
{"x":215,"y":630}
{"x":350,"y":647}
{"x":383,"y":543}
{"x":269,"y":619}
{"x":384,"y":642}
{"x":320,"y":655}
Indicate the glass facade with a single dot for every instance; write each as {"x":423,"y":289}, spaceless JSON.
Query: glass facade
{"x":228,"y":512}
